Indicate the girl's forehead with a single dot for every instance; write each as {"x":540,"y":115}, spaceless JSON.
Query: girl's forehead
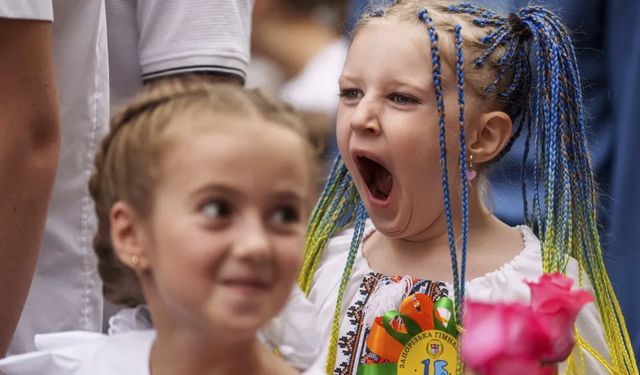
{"x":391,"y":36}
{"x":398,"y":27}
{"x":389,"y":47}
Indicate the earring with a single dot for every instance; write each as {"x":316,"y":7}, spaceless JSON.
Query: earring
{"x":135,"y":260}
{"x":471,"y":172}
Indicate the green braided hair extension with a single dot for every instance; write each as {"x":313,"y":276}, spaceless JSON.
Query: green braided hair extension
{"x":339,"y":205}
{"x":336,"y":209}
{"x":545,"y":95}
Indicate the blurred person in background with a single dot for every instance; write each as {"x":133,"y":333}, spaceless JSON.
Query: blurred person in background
{"x":153,"y":39}
{"x":299,"y":52}
{"x":54,"y":98}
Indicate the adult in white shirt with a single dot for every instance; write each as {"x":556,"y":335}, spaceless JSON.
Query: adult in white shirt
{"x":152,"y":39}
{"x":65,"y":292}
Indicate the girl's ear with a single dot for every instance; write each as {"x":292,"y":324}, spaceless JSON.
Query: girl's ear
{"x":128,"y":237}
{"x":491,"y":135}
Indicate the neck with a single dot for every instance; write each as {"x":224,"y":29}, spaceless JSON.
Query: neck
{"x":273,"y":38}
{"x":427,"y":254}
{"x":189,"y":353}
{"x":183,"y":348}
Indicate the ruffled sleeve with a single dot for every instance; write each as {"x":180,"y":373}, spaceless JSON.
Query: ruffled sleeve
{"x":60,"y":353}
{"x":507,"y":284}
{"x":293,"y":332}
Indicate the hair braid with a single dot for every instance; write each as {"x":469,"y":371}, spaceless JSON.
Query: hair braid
{"x":553,"y":111}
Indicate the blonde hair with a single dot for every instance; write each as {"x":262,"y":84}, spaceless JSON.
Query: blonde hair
{"x":477,"y":78}
{"x":127,"y":163}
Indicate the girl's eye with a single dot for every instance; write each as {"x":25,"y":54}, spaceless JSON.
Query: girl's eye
{"x":285,"y":215}
{"x":403,"y":99}
{"x":350,"y":94}
{"x":216,"y":209}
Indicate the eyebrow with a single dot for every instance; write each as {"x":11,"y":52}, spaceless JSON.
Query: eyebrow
{"x":346,"y":76}
{"x":389,"y":82}
{"x":217,"y":188}
{"x":288,"y":195}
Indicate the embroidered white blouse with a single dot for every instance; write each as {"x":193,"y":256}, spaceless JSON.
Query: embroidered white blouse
{"x":503,"y":285}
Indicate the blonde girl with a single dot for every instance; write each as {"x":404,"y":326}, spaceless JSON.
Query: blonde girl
{"x":411,"y":180}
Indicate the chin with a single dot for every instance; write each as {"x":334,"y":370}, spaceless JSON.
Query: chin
{"x":393,"y":226}
{"x":253,"y":315}
{"x":237,"y":326}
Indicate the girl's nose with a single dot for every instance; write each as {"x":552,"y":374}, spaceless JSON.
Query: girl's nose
{"x":364,"y":118}
{"x":253,"y":243}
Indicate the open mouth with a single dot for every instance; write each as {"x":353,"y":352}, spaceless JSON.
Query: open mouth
{"x":378,"y":179}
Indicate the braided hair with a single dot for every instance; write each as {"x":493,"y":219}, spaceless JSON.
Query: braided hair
{"x":525,"y":65}
{"x":127,"y":164}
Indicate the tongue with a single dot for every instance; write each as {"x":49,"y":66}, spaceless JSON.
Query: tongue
{"x":382,"y":182}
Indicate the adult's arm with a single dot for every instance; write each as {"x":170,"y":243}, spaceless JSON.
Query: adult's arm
{"x":29,"y":150}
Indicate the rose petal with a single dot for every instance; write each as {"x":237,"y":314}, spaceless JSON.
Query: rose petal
{"x":557,"y":308}
{"x":501,"y":332}
{"x":519,"y":367}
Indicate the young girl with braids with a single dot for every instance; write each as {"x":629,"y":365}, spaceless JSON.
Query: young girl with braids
{"x":202,"y":194}
{"x":432,"y":94}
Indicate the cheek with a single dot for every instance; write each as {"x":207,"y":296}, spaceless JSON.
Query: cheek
{"x":188,"y":263}
{"x":343,"y":128}
{"x":289,"y":256}
{"x":288,"y":259}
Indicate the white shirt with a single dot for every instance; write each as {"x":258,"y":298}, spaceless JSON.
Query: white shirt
{"x":66,"y":291}
{"x":155,"y":38}
{"x":84,"y":353}
{"x":87,"y":353}
{"x":288,"y":331}
{"x":503,"y":285}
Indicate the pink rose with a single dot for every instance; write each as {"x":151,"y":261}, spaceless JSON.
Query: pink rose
{"x":501,"y":339}
{"x":518,"y":339}
{"x":557,"y":307}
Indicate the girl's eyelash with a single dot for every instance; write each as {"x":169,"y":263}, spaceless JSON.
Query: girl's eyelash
{"x":286,"y":214}
{"x":216,"y":208}
{"x":347,"y":93}
{"x":406,"y":99}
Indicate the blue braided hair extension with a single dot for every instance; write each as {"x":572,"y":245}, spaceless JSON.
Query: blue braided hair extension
{"x":463,"y":164}
{"x":538,"y":82}
{"x":437,"y":86}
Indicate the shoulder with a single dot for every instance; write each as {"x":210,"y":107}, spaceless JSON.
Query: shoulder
{"x":58,"y":353}
{"x":334,"y":259}
{"x":293,"y":332}
{"x":83,"y":353}
{"x":507,"y":284}
{"x":125,"y":354}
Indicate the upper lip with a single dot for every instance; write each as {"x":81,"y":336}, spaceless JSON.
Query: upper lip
{"x":262,"y":282}
{"x":356,"y":153}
